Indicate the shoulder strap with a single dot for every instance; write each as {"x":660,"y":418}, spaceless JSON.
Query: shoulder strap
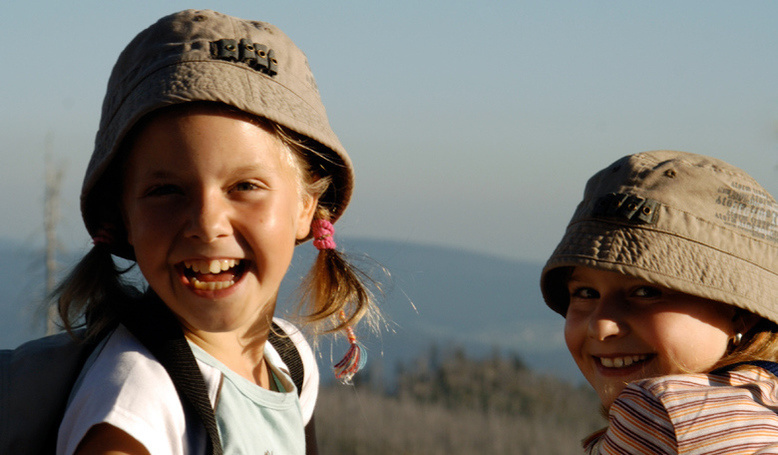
{"x":155,"y":326}
{"x":289,"y":354}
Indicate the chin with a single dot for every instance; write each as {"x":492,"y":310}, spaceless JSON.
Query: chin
{"x":609,"y":393}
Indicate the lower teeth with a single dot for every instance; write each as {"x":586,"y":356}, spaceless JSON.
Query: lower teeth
{"x":211,"y":285}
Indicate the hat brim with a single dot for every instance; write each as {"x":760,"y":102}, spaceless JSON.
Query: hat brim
{"x":662,"y":259}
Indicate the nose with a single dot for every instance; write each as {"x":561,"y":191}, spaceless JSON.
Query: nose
{"x":208,"y":218}
{"x":608,"y":321}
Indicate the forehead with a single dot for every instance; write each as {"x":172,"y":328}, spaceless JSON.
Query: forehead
{"x":581,"y":273}
{"x":209,"y":136}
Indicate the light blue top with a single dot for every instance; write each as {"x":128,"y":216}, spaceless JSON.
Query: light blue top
{"x":253,"y":420}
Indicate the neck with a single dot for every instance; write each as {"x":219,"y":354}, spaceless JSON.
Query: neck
{"x":242,"y":353}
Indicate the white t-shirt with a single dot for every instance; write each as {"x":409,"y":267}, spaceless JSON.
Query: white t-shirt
{"x":123,"y":385}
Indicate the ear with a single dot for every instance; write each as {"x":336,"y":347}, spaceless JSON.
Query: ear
{"x":305,"y":215}
{"x":744,"y":320}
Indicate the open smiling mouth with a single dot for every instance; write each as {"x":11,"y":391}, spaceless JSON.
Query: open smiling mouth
{"x":214,"y":274}
{"x":623,"y":361}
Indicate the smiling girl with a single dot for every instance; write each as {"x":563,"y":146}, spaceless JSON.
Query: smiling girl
{"x":667,"y":276}
{"x":213,"y":160}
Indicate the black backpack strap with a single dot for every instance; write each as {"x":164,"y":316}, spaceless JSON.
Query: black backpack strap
{"x":155,"y":326}
{"x":294,"y":361}
{"x":289,"y":354}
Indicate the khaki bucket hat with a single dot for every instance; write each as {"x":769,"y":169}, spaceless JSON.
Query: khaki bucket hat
{"x":679,"y":220}
{"x":203,"y":55}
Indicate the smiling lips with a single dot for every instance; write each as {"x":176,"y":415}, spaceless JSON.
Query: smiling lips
{"x":213,"y":274}
{"x":621,"y":362}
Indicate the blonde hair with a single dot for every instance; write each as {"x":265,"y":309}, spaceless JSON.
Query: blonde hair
{"x":759,"y":343}
{"x":334,"y":294}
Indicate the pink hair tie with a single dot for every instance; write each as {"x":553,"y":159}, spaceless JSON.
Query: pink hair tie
{"x":323,"y":231}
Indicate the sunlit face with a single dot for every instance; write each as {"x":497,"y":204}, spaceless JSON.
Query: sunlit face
{"x":620,"y":328}
{"x":213,"y":206}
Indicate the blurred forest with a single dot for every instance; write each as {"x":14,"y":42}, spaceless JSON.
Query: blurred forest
{"x":447,"y":403}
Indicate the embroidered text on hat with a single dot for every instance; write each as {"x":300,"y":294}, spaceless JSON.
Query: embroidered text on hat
{"x":257,"y":56}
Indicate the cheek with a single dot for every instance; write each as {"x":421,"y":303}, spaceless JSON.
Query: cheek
{"x":276,"y":219}
{"x":575,"y":332}
{"x":149,"y":224}
{"x":689,"y":344}
{"x":151,"y":233}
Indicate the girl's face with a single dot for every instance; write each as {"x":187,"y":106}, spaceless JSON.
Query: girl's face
{"x":213,"y":206}
{"x":620,"y":329}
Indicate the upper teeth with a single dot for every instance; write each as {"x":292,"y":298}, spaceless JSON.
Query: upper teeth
{"x":619,"y":362}
{"x":212,"y":266}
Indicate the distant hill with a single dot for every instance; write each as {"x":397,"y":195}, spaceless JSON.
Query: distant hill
{"x":441,"y":296}
{"x":452,"y":297}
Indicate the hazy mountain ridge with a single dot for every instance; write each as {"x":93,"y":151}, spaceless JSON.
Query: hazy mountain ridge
{"x":435,"y":295}
{"x":453,"y":297}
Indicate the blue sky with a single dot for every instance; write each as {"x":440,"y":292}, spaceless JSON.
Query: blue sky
{"x":472,"y":124}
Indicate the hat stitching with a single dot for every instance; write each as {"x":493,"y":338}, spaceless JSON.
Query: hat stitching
{"x":587,"y":237}
{"x":131,"y":92}
{"x":593,"y":213}
{"x":704,"y":243}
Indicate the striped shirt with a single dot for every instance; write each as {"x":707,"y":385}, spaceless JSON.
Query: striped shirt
{"x":730,"y":413}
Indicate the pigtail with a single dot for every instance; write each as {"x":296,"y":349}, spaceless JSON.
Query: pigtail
{"x":92,"y":293}
{"x":335,"y":295}
{"x":333,"y":288}
{"x":336,"y":292}
{"x":338,"y":295}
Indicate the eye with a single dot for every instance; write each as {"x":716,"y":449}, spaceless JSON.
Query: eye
{"x":245,"y":186}
{"x":647,"y":292}
{"x":583,"y":292}
{"x":162,"y":190}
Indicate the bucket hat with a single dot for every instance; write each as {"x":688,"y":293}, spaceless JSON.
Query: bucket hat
{"x":679,"y":220}
{"x":203,"y":55}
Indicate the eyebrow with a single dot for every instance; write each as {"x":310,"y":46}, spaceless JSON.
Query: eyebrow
{"x":245,"y":169}
{"x":249,"y":168}
{"x":573,"y":276}
{"x":158,"y":174}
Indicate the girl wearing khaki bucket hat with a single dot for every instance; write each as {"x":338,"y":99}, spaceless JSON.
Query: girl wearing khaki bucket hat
{"x":213,"y":159}
{"x":667,"y":277}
